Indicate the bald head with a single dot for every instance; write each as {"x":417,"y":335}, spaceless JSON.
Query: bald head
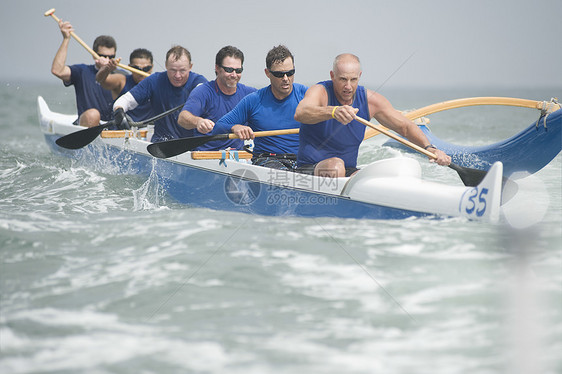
{"x":345,"y":77}
{"x":348,"y":60}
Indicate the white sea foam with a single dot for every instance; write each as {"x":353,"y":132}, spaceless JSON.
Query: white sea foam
{"x":106,"y":346}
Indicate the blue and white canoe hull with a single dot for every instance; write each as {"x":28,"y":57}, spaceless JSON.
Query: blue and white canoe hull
{"x":528,"y":151}
{"x":386,"y":189}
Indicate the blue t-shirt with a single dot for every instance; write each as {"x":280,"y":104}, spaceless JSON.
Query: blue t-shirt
{"x":331,"y":138}
{"x":263,"y":112}
{"x":163,"y":96}
{"x":141,"y":112}
{"x":208,"y":101}
{"x":89,"y":93}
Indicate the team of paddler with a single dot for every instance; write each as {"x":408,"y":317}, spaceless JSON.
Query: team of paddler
{"x":331,"y":116}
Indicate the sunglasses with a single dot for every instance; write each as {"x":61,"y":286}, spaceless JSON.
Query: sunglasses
{"x":230,"y":70}
{"x":146,"y":69}
{"x":281,"y":74}
{"x":106,"y":56}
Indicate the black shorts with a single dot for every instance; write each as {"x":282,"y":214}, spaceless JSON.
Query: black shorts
{"x":287,"y":161}
{"x":309,"y":169}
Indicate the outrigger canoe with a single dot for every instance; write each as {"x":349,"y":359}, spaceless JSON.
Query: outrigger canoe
{"x":226,"y":180}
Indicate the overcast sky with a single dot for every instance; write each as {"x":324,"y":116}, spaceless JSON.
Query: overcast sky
{"x":440,"y":43}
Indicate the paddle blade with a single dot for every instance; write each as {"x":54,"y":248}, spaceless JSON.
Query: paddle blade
{"x":174,"y":147}
{"x":470,"y":177}
{"x":80,"y":138}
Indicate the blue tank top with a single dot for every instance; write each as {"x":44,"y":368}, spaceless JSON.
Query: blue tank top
{"x":332,"y":139}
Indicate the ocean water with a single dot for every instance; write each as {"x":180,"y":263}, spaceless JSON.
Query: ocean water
{"x":103,"y":273}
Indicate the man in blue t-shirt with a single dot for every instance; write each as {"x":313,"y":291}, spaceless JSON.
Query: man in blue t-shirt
{"x":270,"y":108}
{"x":92,"y":101}
{"x":330,"y":136}
{"x":212,"y":100}
{"x":165,"y":90}
{"x":119,"y":84}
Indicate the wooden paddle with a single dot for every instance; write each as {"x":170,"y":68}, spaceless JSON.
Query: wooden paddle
{"x":470,"y":177}
{"x":174,"y":147}
{"x":82,"y":138}
{"x":218,"y":155}
{"x":473,"y":101}
{"x":51,"y":12}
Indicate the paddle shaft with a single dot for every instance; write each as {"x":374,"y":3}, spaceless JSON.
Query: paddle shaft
{"x":470,"y":177}
{"x":51,"y":12}
{"x":174,"y":147}
{"x":260,"y":134}
{"x":156,"y":117}
{"x":392,"y":135}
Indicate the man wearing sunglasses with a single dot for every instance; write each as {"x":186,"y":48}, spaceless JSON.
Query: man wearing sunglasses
{"x":330,"y":136}
{"x":119,"y":84}
{"x":92,"y":101}
{"x":270,"y":108}
{"x":212,"y":100}
{"x":164,"y":90}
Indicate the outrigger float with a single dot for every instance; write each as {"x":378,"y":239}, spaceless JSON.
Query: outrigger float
{"x":385,"y":189}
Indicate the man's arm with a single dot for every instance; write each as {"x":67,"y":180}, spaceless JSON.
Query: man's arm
{"x":126,"y":102}
{"x":111,"y":82}
{"x":189,"y":121}
{"x":231,"y":121}
{"x":123,"y":104}
{"x":59,"y":67}
{"x":195,"y":105}
{"x":314,"y":108}
{"x":381,"y":109}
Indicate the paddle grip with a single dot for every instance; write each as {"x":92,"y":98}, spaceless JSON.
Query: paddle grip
{"x":51,"y":12}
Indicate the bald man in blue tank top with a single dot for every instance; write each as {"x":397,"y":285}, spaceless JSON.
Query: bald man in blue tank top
{"x":330,"y":136}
